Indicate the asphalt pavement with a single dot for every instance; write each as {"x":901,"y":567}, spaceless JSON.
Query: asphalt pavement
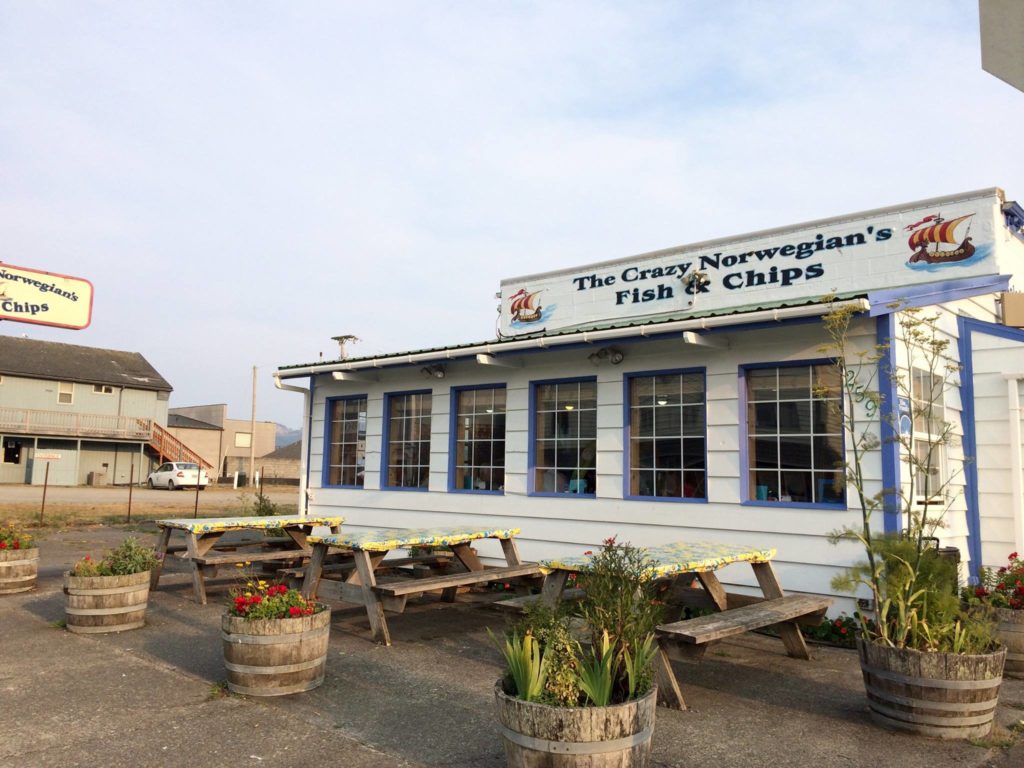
{"x":154,"y":696}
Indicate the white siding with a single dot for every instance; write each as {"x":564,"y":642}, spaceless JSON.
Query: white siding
{"x":994,"y":357}
{"x":554,"y":526}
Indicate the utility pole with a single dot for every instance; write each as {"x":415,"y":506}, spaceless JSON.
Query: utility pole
{"x":252,"y":430}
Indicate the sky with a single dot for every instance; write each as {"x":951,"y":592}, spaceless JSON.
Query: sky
{"x":241,"y":181}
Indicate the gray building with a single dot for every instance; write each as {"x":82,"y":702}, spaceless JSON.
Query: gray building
{"x":86,"y":414}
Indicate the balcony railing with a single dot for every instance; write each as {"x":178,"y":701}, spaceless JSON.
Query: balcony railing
{"x":25,"y":421}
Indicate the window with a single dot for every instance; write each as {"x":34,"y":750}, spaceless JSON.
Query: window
{"x":407,"y":440}
{"x":478,"y":439}
{"x":65,"y":392}
{"x":102,"y":389}
{"x":12,"y":452}
{"x":928,"y":413}
{"x":564,"y":422}
{"x":243,"y":439}
{"x":794,"y":434}
{"x":346,"y":441}
{"x":666,"y":429}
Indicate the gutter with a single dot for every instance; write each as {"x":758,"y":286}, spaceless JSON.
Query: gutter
{"x":304,"y":450}
{"x":586,"y":337}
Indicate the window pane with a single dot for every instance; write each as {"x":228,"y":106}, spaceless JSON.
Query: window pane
{"x":809,"y":446}
{"x":678,"y":410}
{"x":346,"y":431}
{"x":408,"y":448}
{"x":565,"y":446}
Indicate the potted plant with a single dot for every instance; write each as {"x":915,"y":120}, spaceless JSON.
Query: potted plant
{"x":109,"y":594}
{"x":1002,"y":590}
{"x":19,"y":561}
{"x":931,"y":665}
{"x":274,"y":640}
{"x":561,"y":704}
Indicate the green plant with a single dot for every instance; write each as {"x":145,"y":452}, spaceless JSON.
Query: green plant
{"x":621,"y":610}
{"x":127,"y":558}
{"x":527,"y":666}
{"x":12,"y":538}
{"x":259,"y":600}
{"x":909,"y":584}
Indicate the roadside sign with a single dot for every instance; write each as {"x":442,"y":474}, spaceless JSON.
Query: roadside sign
{"x":43,"y":456}
{"x":44,"y":298}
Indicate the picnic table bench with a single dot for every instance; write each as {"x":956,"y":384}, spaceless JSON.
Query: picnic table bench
{"x":204,"y":550}
{"x":680,"y":563}
{"x":369,"y":550}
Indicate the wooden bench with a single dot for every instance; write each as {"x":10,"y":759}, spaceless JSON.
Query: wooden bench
{"x":251,"y":557}
{"x":449,"y":581}
{"x":735,"y":621}
{"x":520,"y":604}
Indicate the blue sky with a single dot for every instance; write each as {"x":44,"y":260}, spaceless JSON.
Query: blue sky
{"x":243,"y":180}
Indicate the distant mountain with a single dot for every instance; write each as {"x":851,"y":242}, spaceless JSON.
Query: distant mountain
{"x":286,"y":435}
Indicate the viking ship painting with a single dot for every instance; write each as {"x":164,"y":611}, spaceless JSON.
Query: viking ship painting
{"x":525,"y":306}
{"x":937,"y":232}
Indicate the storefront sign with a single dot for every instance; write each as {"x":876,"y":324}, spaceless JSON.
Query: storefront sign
{"x":41,"y":456}
{"x":44,"y":298}
{"x":950,"y":238}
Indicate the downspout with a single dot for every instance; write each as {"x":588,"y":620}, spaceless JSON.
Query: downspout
{"x":307,"y":405}
{"x":1016,"y":480}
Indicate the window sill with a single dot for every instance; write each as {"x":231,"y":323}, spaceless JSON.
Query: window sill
{"x":794,"y":504}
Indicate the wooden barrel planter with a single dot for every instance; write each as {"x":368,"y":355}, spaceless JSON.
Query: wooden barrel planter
{"x":98,"y":604}
{"x":948,"y":695}
{"x":275,"y":657}
{"x":1010,"y":631}
{"x":18,"y":570}
{"x":542,"y":736}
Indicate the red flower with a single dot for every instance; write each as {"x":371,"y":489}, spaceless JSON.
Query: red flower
{"x":256,"y":599}
{"x":589,"y":552}
{"x":88,"y":558}
{"x":3,"y":545}
{"x":294,"y":611}
{"x":1013,"y":556}
{"x":981,"y":592}
{"x":17,"y":545}
{"x":309,"y":610}
{"x":842,"y":631}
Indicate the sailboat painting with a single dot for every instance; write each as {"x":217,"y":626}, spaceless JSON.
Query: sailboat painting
{"x":932,"y":232}
{"x":525,"y":307}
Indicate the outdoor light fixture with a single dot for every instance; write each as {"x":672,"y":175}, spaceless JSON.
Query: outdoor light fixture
{"x":613,"y":355}
{"x":433,"y":371}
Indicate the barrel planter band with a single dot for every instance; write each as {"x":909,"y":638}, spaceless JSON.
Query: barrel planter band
{"x":545,"y":736}
{"x":19,"y":569}
{"x":100,"y":604}
{"x":275,"y":657}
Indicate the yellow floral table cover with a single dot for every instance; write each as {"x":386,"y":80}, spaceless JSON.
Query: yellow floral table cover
{"x":680,"y":557}
{"x":216,"y":524}
{"x":387,"y":539}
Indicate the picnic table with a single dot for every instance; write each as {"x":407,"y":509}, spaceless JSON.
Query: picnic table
{"x":203,"y":537}
{"x":732,"y":614}
{"x":369,"y":550}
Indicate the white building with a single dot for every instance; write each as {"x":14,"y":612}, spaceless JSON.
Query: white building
{"x":674,"y":396}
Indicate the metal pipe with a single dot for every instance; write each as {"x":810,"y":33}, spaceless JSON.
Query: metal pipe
{"x":304,"y":447}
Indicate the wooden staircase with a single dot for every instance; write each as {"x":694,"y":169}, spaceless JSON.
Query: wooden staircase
{"x":170,"y":448}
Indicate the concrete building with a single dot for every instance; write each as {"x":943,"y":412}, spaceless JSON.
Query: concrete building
{"x":683,"y":395}
{"x":222,"y":441}
{"x":80,"y":414}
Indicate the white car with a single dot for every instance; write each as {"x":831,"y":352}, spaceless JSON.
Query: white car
{"x":173,"y":475}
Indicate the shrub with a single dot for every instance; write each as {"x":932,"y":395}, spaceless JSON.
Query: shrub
{"x":1002,"y":588}
{"x":12,"y":538}
{"x":260,"y":600}
{"x":127,"y":558}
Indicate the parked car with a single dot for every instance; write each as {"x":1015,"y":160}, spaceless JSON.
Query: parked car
{"x":173,"y":475}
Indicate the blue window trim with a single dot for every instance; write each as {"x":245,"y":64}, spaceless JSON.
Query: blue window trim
{"x":885,"y":336}
{"x":385,"y":439}
{"x":531,"y":437}
{"x":452,"y":436}
{"x":626,"y":423}
{"x":744,"y":434}
{"x":891,"y":300}
{"x":965,"y":346}
{"x":326,"y":458}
